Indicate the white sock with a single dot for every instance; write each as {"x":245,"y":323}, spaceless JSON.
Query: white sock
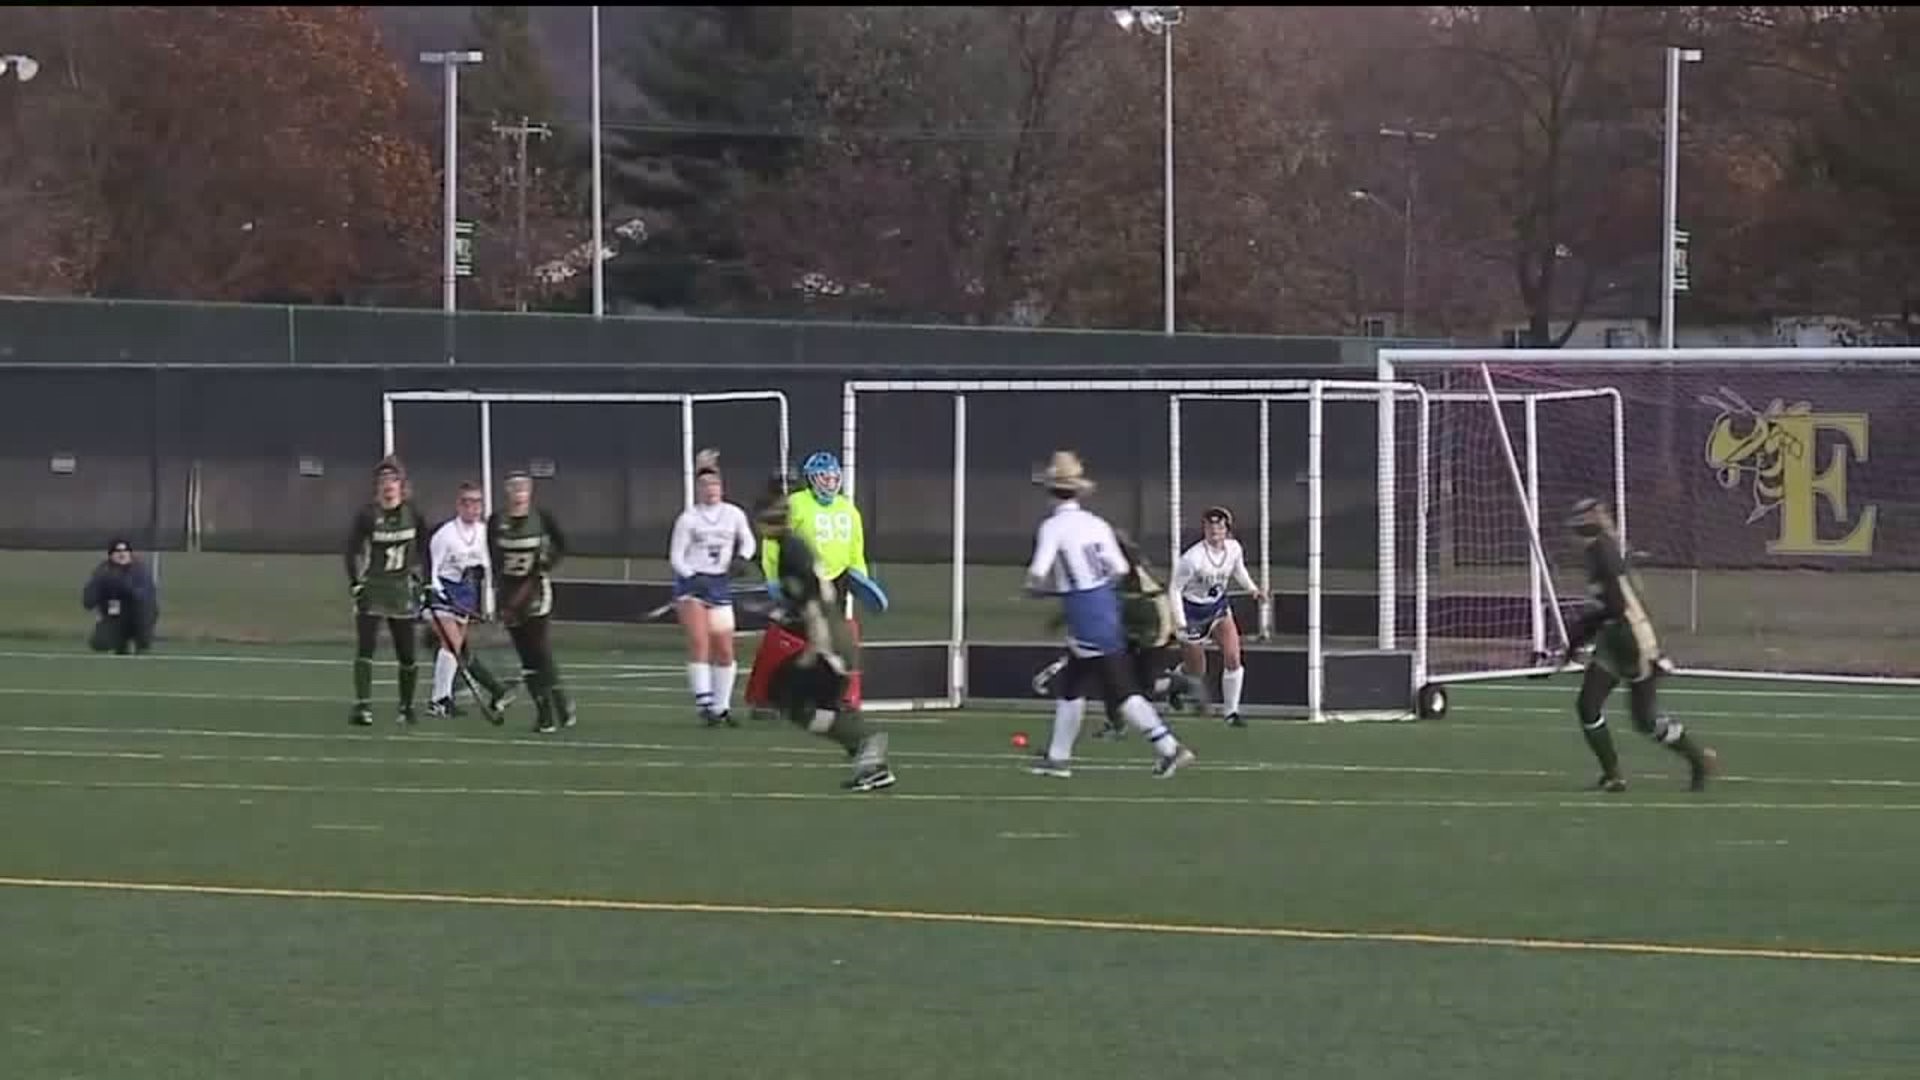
{"x":1231,"y":680}
{"x":723,"y":687}
{"x":1148,"y":723}
{"x":444,"y":667}
{"x":700,"y":679}
{"x":1066,"y":728}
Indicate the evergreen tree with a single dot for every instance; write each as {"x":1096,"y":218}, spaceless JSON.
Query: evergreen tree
{"x":511,"y":82}
{"x":522,"y":209}
{"x":719,"y":85}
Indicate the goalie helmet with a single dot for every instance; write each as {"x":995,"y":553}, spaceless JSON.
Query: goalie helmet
{"x":818,"y":466}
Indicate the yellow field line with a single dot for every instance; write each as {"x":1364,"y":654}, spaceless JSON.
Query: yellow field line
{"x":1046,"y":922}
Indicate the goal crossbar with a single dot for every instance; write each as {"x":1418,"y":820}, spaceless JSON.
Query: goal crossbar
{"x":486,"y":399}
{"x":1316,"y":392}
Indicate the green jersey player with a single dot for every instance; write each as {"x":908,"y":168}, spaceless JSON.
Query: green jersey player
{"x":387,"y":565}
{"x":1625,"y":649}
{"x":525,"y":545}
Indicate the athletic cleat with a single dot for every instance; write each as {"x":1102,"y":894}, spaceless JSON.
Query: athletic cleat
{"x":1046,"y":766}
{"x":726,"y":718}
{"x":1169,"y":764}
{"x":569,"y":716}
{"x":406,"y":717}
{"x":1233,"y":720}
{"x":1708,"y":764}
{"x":872,"y":778}
{"x":442,"y":709}
{"x":543,"y":724}
{"x":361,"y":716}
{"x":1116,"y":732}
{"x":1615,"y":784}
{"x":709,"y":718}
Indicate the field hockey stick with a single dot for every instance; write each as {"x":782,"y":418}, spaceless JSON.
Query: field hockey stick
{"x":460,"y":667}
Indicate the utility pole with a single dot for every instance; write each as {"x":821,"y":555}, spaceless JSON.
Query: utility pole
{"x":521,"y":132}
{"x":1407,"y":277}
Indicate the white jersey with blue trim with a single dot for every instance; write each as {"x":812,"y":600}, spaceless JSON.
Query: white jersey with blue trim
{"x":1203,"y":575}
{"x":1077,"y":558}
{"x":707,"y":537}
{"x":458,"y":548}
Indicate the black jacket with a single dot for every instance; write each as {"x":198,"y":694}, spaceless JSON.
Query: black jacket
{"x":129,"y":583}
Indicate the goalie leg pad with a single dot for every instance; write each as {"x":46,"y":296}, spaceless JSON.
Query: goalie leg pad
{"x":777,"y":646}
{"x":854,"y":697}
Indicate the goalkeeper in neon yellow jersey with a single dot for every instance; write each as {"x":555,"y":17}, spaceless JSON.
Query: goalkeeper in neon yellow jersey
{"x":830,"y":524}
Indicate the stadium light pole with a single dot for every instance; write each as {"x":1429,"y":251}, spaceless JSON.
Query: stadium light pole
{"x":1413,"y":139}
{"x":1160,"y":21}
{"x":20,"y":65}
{"x":1670,"y":229}
{"x":599,"y":224}
{"x":450,"y":63}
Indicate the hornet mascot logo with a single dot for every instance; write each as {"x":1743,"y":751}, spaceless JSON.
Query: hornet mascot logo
{"x":1744,"y":442}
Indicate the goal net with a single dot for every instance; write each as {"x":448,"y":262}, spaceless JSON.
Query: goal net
{"x":1763,"y":492}
{"x":943,"y":474}
{"x":615,"y":468}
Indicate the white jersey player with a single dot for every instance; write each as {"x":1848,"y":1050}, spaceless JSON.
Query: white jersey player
{"x":1077,"y":558}
{"x":460,"y":569}
{"x":1207,"y":575}
{"x":707,"y":537}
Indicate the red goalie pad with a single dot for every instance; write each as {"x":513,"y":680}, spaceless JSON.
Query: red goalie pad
{"x":853,"y":677}
{"x":777,"y":646}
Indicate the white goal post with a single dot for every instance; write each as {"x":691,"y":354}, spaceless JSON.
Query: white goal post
{"x":685,"y":404}
{"x":1315,"y":394}
{"x":1769,"y":490}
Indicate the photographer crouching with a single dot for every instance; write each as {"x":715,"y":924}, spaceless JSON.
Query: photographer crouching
{"x":121,"y":592}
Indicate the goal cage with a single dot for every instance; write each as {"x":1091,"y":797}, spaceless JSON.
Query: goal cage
{"x":943,"y":474}
{"x":1768,"y":490}
{"x":617,"y":467}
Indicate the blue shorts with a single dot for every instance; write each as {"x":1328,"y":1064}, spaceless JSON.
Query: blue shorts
{"x":460,"y":598}
{"x":713,"y":590}
{"x":1203,"y":616}
{"x":1094,"y":626}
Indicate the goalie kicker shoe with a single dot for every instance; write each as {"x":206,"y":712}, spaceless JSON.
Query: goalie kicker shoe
{"x":870,"y":778}
{"x":870,"y":772}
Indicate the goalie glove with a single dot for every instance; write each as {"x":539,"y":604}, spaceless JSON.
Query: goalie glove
{"x":871,"y":595}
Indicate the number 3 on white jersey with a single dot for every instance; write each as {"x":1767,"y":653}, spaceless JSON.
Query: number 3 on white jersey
{"x":836,"y":527}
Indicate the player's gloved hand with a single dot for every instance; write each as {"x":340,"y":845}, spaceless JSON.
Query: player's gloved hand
{"x":356,"y":590}
{"x":868,"y":590}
